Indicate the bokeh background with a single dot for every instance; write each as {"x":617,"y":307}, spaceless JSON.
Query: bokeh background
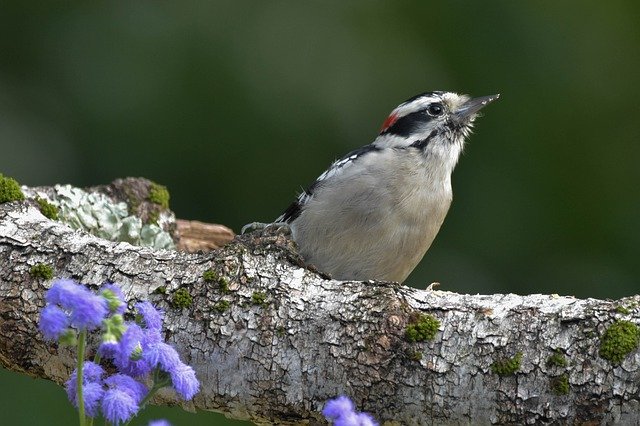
{"x":237,"y":105}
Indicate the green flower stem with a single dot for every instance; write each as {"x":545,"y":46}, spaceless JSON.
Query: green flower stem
{"x":79,"y":376}
{"x":159,"y":381}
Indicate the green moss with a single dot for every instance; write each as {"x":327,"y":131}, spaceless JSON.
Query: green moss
{"x":222,"y":306}
{"x":422,"y":328}
{"x":160,"y":290}
{"x":507,"y":366}
{"x":622,"y":310}
{"x":416,"y":356}
{"x":182,"y":298}
{"x":153,"y":217}
{"x":41,"y":270}
{"x":47,"y":209}
{"x":557,"y":359}
{"x":560,"y":385}
{"x":212,"y":276}
{"x":280,"y":331}
{"x":9,"y":190}
{"x":159,"y":194}
{"x":618,"y":341}
{"x":259,"y":298}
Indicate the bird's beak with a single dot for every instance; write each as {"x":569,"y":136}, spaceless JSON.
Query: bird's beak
{"x":472,"y":106}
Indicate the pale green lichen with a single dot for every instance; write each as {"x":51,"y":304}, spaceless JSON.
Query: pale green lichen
{"x":9,"y":190}
{"x":619,"y":340}
{"x":42,"y":271}
{"x":99,"y":215}
{"x":423,"y":328}
{"x":507,"y":366}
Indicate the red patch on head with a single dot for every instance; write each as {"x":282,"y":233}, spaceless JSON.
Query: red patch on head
{"x":389,"y":121}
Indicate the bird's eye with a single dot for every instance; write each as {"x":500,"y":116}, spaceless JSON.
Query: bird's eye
{"x":435,"y":110}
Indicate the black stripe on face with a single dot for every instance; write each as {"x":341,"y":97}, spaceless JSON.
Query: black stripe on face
{"x":405,"y":126}
{"x":422,"y":143}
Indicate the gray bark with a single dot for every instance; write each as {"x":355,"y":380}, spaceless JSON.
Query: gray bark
{"x":292,"y":338}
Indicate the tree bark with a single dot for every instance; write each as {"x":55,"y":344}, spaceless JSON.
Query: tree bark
{"x":272,"y":340}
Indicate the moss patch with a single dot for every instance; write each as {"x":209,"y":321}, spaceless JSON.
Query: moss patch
{"x":507,"y":366}
{"x":622,"y":310}
{"x":415,"y":356}
{"x":182,"y":298}
{"x":9,"y":190}
{"x":422,"y":328}
{"x":222,"y":306}
{"x":47,"y":209}
{"x":259,"y":298}
{"x":619,"y":340}
{"x":212,"y":276}
{"x":41,"y":270}
{"x":159,"y":194}
{"x":560,"y":385}
{"x":557,"y":359}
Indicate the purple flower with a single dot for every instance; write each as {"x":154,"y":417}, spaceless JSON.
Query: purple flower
{"x":87,"y":310}
{"x":115,"y":299}
{"x":92,"y":394}
{"x":162,"y":355}
{"x":335,"y":408}
{"x":184,"y":381}
{"x":129,"y":385}
{"x":151,"y":316}
{"x":341,"y":411}
{"x":118,"y":406}
{"x":129,"y":355}
{"x":53,"y":322}
{"x":91,"y":387}
{"x":160,"y":422}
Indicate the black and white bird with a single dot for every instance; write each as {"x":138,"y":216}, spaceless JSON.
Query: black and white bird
{"x":375,"y":212}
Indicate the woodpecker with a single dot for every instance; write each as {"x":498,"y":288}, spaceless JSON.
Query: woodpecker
{"x":373,"y":214}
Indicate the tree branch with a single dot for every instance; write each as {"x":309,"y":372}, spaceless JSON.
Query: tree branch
{"x":271,"y":341}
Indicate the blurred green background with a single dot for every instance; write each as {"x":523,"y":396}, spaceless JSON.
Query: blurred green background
{"x":237,"y":105}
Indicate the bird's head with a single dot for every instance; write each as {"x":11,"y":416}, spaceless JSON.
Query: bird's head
{"x":432,"y":120}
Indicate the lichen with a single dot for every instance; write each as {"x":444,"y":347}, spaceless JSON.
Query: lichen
{"x":47,"y":209}
{"x":182,"y":298}
{"x":259,"y":298}
{"x":557,"y":359}
{"x":9,"y":190}
{"x":560,"y":385}
{"x":619,"y":340}
{"x":221,"y":306}
{"x":159,"y":194}
{"x":99,"y":215}
{"x":507,"y":366}
{"x":422,"y":328}
{"x":41,"y":270}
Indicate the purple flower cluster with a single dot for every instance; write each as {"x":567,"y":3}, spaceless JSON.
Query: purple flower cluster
{"x":137,"y":349}
{"x":341,"y":412}
{"x":71,"y":305}
{"x":141,"y":350}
